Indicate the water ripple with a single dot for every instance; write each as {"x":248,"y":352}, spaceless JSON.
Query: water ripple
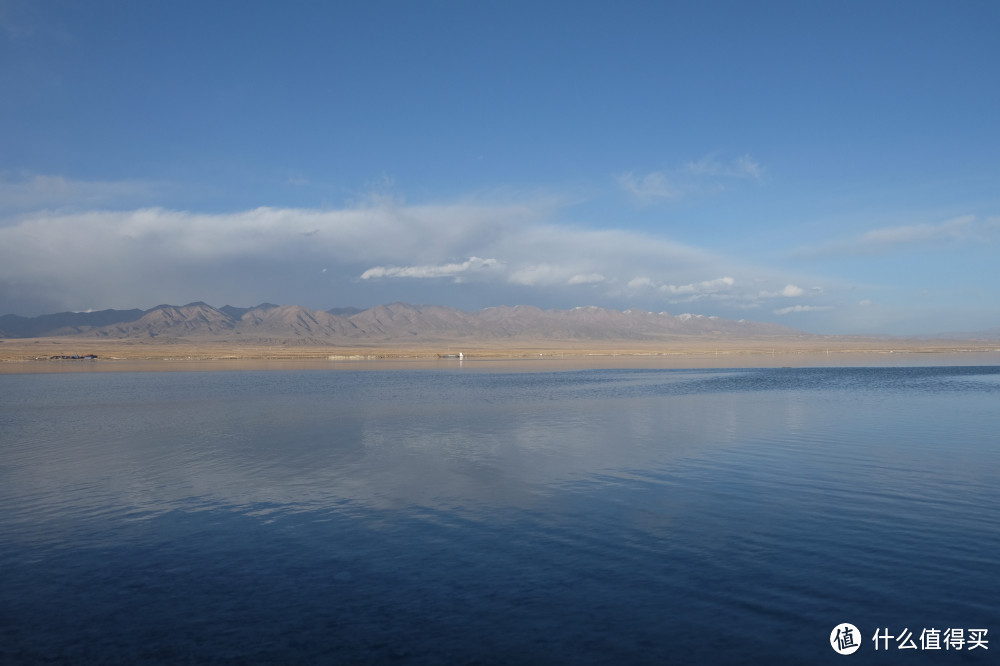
{"x":442,"y":517}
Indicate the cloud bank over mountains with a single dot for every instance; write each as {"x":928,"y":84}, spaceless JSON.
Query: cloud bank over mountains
{"x":91,"y":249}
{"x":469,"y":254}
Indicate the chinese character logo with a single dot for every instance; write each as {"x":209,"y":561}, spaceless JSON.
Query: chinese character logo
{"x":845,"y":638}
{"x":933,"y":639}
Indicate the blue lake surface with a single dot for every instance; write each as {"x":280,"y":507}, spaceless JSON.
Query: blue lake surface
{"x":456,"y":517}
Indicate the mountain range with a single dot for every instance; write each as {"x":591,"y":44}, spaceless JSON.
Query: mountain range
{"x":393,"y":323}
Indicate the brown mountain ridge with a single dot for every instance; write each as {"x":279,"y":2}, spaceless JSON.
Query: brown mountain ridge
{"x":393,"y":323}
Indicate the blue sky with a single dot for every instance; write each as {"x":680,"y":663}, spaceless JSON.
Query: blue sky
{"x":834,"y":167}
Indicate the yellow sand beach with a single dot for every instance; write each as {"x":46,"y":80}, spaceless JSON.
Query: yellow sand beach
{"x":33,"y":355}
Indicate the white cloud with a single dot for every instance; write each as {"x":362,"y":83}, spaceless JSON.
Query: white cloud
{"x":789,"y":291}
{"x":651,"y":187}
{"x":702,"y":176}
{"x":706,"y":287}
{"x":589,"y":278}
{"x":541,"y":275}
{"x":802,"y":308}
{"x":953,"y":229}
{"x":640,"y":283}
{"x":964,"y":229}
{"x":684,"y":293}
{"x":443,"y":270}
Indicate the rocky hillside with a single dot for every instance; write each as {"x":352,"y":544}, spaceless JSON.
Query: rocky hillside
{"x":397,"y":323}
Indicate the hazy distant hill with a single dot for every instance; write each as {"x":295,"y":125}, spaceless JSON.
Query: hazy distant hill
{"x":63,"y":323}
{"x":989,"y":334}
{"x":397,"y":323}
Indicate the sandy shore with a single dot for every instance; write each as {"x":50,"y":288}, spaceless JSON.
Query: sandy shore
{"x":35,"y":354}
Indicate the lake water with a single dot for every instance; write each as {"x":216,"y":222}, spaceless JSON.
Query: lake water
{"x":457,"y":517}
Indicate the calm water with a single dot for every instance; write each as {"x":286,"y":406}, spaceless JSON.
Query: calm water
{"x":424,"y":517}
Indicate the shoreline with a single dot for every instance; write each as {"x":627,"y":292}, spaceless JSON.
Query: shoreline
{"x":36,"y":355}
